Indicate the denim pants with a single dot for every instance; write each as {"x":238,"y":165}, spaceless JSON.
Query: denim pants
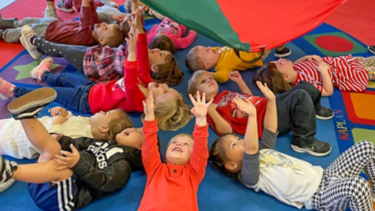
{"x":296,"y":110}
{"x":72,"y":90}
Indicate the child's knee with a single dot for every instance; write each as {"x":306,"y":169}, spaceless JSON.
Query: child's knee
{"x":359,"y":186}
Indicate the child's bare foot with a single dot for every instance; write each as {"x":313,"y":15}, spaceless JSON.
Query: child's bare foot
{"x":45,"y":65}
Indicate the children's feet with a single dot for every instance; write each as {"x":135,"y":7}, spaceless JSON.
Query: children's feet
{"x":45,"y":65}
{"x":318,"y":148}
{"x":6,"y":170}
{"x":26,"y":34}
{"x":324,"y":113}
{"x":61,"y":6}
{"x":283,"y":53}
{"x":110,"y":3}
{"x":6,"y":185}
{"x":6,"y":89}
{"x":29,"y":105}
{"x":50,"y":12}
{"x":371,"y":48}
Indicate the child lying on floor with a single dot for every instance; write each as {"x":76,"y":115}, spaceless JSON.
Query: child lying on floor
{"x":70,"y":173}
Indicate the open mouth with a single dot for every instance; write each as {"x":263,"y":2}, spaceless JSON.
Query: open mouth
{"x":177,"y":149}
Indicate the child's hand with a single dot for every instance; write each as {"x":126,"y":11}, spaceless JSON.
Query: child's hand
{"x":138,"y":21}
{"x":246,"y":106}
{"x":314,"y":58}
{"x":266,"y":91}
{"x":149,"y":107}
{"x":235,"y":76}
{"x":120,"y":18}
{"x":58,"y":111}
{"x":58,"y":119}
{"x":200,"y":106}
{"x":70,"y":159}
{"x":323,"y":67}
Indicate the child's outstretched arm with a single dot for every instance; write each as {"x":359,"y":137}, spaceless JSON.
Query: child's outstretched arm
{"x":235,"y":76}
{"x":199,"y":155}
{"x":150,"y":151}
{"x":184,"y":42}
{"x":251,"y":133}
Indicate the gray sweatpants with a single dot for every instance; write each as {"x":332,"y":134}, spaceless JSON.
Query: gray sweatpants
{"x":39,"y":25}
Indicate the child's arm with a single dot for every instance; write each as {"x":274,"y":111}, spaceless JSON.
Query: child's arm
{"x":327,"y":82}
{"x":184,"y":42}
{"x":199,"y":155}
{"x":235,"y":76}
{"x":150,"y":151}
{"x":222,"y":126}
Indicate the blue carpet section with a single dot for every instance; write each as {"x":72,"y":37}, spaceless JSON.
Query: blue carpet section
{"x":216,"y":192}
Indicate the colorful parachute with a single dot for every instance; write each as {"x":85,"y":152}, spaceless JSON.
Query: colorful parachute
{"x":248,"y":24}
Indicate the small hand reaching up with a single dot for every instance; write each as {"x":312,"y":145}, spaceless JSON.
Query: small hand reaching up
{"x":266,"y":91}
{"x":246,"y":106}
{"x":132,"y":44}
{"x":200,"y":108}
{"x":235,"y":76}
{"x":149,"y":107}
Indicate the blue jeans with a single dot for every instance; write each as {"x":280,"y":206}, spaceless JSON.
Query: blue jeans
{"x":72,"y":90}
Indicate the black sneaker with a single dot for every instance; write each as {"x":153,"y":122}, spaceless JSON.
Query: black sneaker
{"x":30,"y":104}
{"x":324,"y":113}
{"x":371,"y":48}
{"x":318,"y":148}
{"x":6,"y":169}
{"x":283,"y":53}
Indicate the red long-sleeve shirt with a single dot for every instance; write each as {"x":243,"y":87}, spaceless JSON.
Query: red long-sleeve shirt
{"x":125,"y":92}
{"x":74,"y":32}
{"x":172,"y":187}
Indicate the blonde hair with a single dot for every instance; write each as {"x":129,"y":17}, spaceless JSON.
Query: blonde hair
{"x":118,"y":124}
{"x":116,"y":38}
{"x":169,"y":72}
{"x":172,"y":115}
{"x":193,"y":81}
{"x":180,"y":135}
{"x":194,"y":62}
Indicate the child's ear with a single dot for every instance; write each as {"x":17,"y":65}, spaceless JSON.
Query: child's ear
{"x":231,"y":166}
{"x":154,"y":68}
{"x":286,"y":77}
{"x":103,"y":129}
{"x":206,"y":65}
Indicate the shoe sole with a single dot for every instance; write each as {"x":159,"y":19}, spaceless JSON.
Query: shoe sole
{"x":283,"y":55}
{"x":33,"y":53}
{"x":303,"y":150}
{"x":39,"y":97}
{"x":6,"y":185}
{"x":325,"y":118}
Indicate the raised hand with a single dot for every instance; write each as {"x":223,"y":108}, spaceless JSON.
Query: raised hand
{"x":200,"y":106}
{"x":149,"y":107}
{"x":120,"y":18}
{"x":58,"y":111}
{"x":246,"y":106}
{"x":70,"y":159}
{"x":235,"y":76}
{"x":266,"y":91}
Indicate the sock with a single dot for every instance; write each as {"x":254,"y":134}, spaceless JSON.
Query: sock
{"x":32,"y":39}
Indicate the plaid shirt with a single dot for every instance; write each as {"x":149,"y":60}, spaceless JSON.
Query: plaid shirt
{"x":102,"y":63}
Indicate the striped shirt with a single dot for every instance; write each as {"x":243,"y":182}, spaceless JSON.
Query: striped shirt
{"x":347,"y":73}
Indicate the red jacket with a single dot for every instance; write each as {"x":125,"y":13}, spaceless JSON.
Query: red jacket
{"x":125,"y":92}
{"x":235,"y":117}
{"x":172,"y":187}
{"x":74,"y":32}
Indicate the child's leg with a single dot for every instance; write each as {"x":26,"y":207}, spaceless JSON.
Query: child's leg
{"x":39,"y":25}
{"x":50,"y":11}
{"x":65,"y":80}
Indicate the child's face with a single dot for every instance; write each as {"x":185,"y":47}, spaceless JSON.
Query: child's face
{"x":284,"y":66}
{"x":132,"y":137}
{"x":156,"y":56}
{"x":103,"y":118}
{"x":207,"y":84}
{"x":104,"y":31}
{"x":178,"y":152}
{"x":233,"y":146}
{"x":162,"y":93}
{"x":208,"y":56}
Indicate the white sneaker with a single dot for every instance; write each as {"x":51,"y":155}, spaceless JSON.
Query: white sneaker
{"x":110,"y":3}
{"x":6,"y":185}
{"x":26,"y":34}
{"x":50,"y":12}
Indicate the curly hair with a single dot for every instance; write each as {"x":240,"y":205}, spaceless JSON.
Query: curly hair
{"x":218,"y":158}
{"x":274,"y":79}
{"x":169,"y":72}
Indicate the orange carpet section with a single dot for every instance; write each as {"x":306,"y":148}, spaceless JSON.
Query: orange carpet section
{"x":356,"y":17}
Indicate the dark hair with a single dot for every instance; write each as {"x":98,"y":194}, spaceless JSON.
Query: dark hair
{"x":163,"y":42}
{"x":274,"y":79}
{"x":218,"y":158}
{"x":169,"y":72}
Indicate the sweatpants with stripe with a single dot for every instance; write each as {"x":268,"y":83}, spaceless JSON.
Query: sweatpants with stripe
{"x":341,"y":185}
{"x":54,"y":197}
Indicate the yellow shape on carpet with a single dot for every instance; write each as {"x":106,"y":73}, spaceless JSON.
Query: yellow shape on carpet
{"x":363,"y":105}
{"x":371,"y":84}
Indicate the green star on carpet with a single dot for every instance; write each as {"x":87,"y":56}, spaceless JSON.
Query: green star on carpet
{"x":24,"y":70}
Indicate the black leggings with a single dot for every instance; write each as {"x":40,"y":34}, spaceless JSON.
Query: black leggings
{"x":72,"y":53}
